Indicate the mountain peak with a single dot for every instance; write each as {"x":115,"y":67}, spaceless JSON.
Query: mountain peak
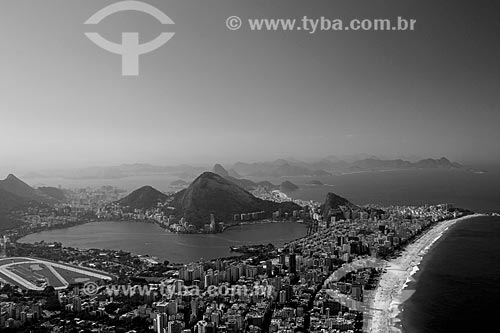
{"x":12,"y":177}
{"x":219,"y":169}
{"x":288,"y":186}
{"x":148,"y":188}
{"x":16,"y":186}
{"x":444,"y":160}
{"x":212,"y":194}
{"x":335,"y":200}
{"x":332,"y":205}
{"x":208,"y":175}
{"x":144,"y":197}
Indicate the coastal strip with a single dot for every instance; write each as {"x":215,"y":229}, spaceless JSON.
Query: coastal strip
{"x":391,"y":293}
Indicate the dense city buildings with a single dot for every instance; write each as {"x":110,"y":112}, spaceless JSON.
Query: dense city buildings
{"x":301,"y":286}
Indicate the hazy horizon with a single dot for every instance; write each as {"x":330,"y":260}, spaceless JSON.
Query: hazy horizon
{"x":227,"y":163}
{"x":211,"y":95}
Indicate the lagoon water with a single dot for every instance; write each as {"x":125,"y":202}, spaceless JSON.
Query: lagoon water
{"x":150,"y":239}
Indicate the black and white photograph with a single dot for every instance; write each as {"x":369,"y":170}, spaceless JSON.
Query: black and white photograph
{"x":249,"y":166}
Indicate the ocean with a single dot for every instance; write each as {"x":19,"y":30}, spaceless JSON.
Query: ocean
{"x":474,"y":191}
{"x":457,"y":287}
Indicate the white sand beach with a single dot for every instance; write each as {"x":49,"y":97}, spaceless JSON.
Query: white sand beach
{"x":391,"y":292}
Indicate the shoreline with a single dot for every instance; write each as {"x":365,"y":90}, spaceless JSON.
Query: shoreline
{"x":391,"y":291}
{"x":276,"y":241}
{"x":76,"y":224}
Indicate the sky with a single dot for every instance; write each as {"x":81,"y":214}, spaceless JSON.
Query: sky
{"x":211,"y":94}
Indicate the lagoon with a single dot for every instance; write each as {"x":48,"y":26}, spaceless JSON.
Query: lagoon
{"x":149,"y":239}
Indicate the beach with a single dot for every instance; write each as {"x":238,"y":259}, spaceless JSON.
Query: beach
{"x":391,"y":291}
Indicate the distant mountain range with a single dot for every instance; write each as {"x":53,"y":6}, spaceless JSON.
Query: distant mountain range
{"x":249,"y":185}
{"x":246,"y":184}
{"x":278,"y":168}
{"x":179,"y":182}
{"x":120,"y":171}
{"x":208,"y":194}
{"x":332,"y":165}
{"x":20,"y":189}
{"x":289,"y":167}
